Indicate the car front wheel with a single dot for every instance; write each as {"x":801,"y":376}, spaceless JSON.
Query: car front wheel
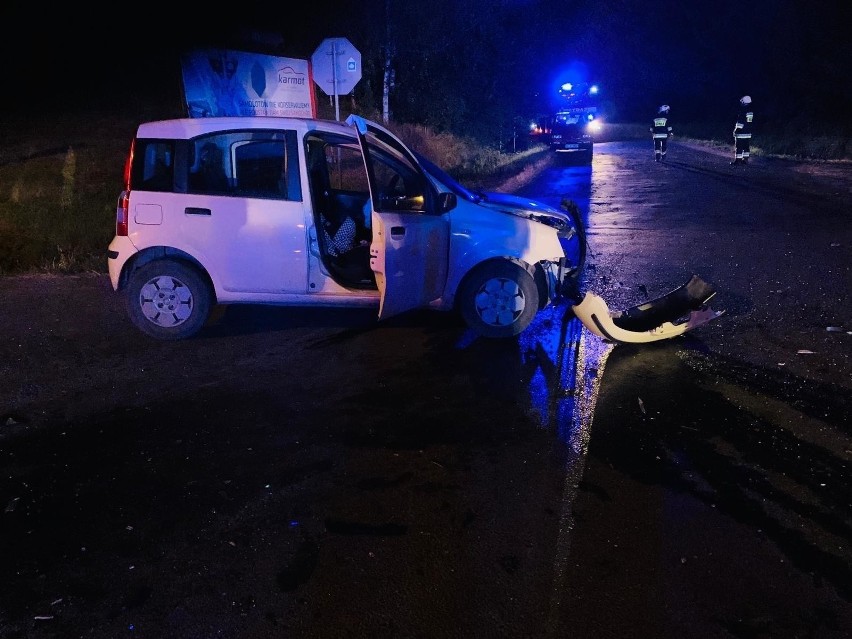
{"x":168,"y":300}
{"x":498,"y":299}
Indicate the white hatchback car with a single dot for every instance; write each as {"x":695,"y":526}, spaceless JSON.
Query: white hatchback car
{"x":294,"y":211}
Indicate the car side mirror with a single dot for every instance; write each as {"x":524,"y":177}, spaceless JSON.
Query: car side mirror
{"x":447,"y":202}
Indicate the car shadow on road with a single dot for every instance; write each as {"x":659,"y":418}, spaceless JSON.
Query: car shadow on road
{"x":248,"y":319}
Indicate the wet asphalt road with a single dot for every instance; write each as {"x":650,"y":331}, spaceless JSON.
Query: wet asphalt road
{"x":715,"y":499}
{"x":297,"y":473}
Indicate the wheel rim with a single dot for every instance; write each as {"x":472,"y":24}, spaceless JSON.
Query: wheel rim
{"x":166,"y":301}
{"x":500,"y":301}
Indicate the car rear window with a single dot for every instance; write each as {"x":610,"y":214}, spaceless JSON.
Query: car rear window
{"x":153,"y":165}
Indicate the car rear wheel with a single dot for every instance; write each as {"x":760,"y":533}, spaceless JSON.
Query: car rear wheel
{"x":498,"y":299}
{"x":168,"y":300}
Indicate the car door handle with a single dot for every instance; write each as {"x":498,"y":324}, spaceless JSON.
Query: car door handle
{"x":397,"y":231}
{"x":194,"y":210}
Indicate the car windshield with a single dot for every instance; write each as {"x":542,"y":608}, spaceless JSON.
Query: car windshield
{"x":448,"y":180}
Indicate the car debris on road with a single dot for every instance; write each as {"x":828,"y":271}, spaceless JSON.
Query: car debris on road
{"x":665,"y":317}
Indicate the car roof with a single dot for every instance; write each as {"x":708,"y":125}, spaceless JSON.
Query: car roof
{"x":186,"y":128}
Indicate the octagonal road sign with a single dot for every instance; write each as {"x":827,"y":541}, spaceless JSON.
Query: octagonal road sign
{"x":336,"y":66}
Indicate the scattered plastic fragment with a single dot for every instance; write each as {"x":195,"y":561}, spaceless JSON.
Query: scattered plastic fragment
{"x":804,"y":351}
{"x":834,"y":329}
{"x":43,"y":617}
{"x":642,"y":406}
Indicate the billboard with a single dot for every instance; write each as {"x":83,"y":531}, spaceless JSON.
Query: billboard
{"x":220,"y":82}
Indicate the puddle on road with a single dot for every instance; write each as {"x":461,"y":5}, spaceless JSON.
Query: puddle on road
{"x":564,"y":391}
{"x":755,"y":445}
{"x":569,"y":363}
{"x":759,"y":445}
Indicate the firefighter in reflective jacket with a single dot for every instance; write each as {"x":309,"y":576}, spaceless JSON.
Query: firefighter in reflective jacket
{"x":661,"y":132}
{"x":742,"y":131}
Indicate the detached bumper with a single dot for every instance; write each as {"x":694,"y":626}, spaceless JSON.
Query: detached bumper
{"x":668,"y":316}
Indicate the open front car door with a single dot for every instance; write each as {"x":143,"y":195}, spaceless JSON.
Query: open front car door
{"x":410,"y":246}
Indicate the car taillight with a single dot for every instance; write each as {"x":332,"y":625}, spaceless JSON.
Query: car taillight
{"x":121,"y":209}
{"x":128,"y":163}
{"x":121,"y":213}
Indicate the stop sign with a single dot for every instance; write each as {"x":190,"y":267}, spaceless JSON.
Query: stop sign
{"x":336,"y":66}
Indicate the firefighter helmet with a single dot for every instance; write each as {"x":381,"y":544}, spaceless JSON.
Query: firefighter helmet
{"x":746,"y":99}
{"x":664,"y":108}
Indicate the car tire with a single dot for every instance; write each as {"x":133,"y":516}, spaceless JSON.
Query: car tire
{"x":498,"y":299}
{"x":168,"y":300}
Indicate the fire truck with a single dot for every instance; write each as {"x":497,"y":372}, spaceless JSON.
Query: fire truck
{"x":573,"y":127}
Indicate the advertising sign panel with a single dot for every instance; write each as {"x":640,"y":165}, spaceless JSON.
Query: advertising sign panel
{"x":220,"y":82}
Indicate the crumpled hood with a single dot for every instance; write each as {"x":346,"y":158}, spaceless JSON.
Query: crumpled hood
{"x":524,"y":207}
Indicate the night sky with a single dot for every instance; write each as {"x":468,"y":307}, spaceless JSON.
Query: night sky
{"x":793,"y":57}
